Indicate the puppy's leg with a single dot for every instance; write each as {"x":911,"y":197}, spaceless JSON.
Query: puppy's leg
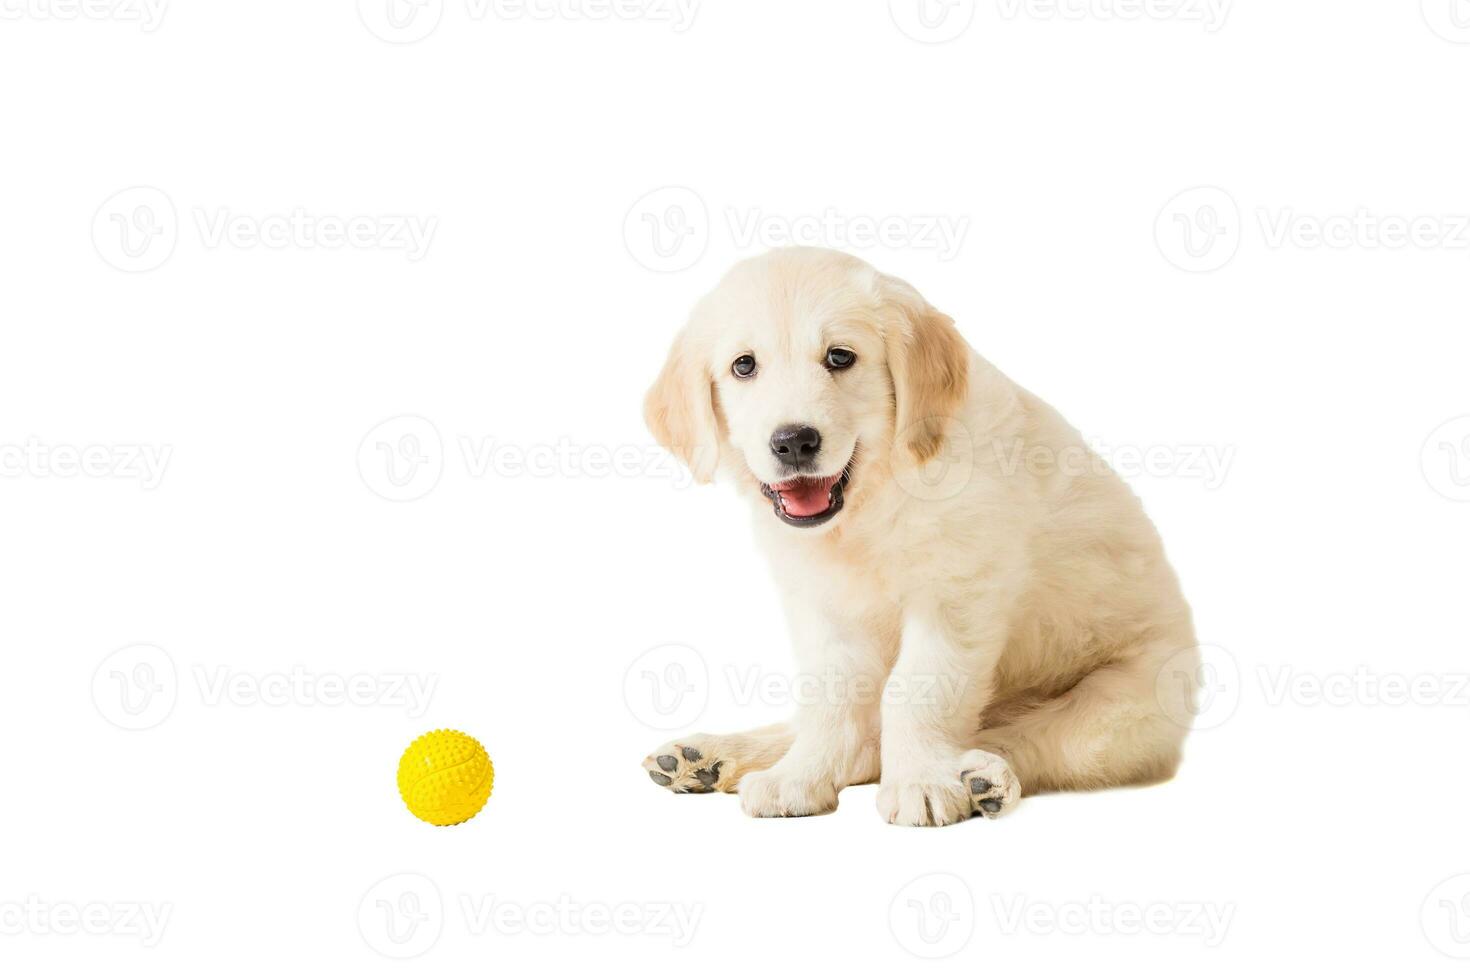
{"x":1121,"y":724}
{"x":711,"y":763}
{"x":836,"y":728}
{"x":932,"y":774}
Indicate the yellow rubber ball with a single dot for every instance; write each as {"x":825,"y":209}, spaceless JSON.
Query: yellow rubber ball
{"x":445,"y":777}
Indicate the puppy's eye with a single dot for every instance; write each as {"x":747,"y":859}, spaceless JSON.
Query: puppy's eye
{"x":839,"y":358}
{"x":744,"y":366}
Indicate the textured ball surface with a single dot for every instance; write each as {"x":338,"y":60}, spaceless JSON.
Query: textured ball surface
{"x":445,"y":777}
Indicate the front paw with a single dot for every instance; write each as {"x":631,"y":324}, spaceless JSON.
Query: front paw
{"x":777,"y":793}
{"x":972,"y":784}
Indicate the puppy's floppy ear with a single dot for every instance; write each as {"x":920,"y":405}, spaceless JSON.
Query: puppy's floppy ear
{"x":680,"y":409}
{"x":930,"y":364}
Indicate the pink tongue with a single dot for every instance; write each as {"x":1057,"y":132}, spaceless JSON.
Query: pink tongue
{"x":805,"y":498}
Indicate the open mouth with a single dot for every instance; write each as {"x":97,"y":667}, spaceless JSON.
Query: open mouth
{"x":807,"y":501}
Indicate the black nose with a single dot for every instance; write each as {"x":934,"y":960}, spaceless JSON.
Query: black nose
{"x":796,"y":445}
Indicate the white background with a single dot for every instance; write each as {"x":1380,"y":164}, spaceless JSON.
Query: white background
{"x":1318,"y":823}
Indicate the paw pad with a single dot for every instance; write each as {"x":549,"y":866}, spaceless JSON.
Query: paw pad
{"x":992,"y":787}
{"x":680,"y":768}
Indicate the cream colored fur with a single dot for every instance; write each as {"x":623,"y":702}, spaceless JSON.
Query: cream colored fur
{"x":999,"y":589}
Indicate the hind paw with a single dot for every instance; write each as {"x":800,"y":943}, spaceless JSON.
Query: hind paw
{"x":682,"y":767}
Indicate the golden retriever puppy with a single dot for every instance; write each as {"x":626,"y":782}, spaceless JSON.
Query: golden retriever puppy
{"x":986,"y":603}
